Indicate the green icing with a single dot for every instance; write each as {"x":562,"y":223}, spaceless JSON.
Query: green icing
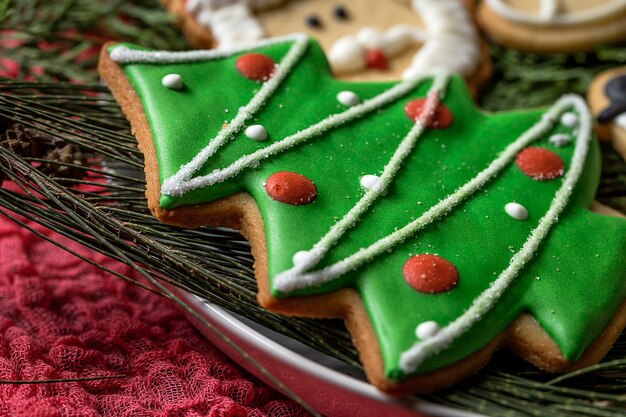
{"x":573,"y":285}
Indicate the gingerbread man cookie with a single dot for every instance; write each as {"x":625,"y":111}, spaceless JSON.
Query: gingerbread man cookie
{"x":363,"y":39}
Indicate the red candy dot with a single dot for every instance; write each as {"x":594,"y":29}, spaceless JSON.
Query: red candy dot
{"x":376,"y":59}
{"x":442,"y":118}
{"x":256,"y":67}
{"x":291,"y":188}
{"x":540,"y":164}
{"x":430,"y":273}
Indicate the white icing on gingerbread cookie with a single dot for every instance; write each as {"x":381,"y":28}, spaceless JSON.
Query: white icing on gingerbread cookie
{"x":552,"y":12}
{"x":448,"y":40}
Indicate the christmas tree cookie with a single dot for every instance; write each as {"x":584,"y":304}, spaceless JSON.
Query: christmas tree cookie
{"x":436,"y":231}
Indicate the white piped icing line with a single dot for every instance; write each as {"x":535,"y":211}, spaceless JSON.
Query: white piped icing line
{"x":369,"y":182}
{"x":256,"y":133}
{"x":560,"y":139}
{"x":125,"y":55}
{"x":452,"y":43}
{"x":231,"y":22}
{"x":449,"y":41}
{"x":411,"y":359}
{"x":426,"y":330}
{"x":172,"y":81}
{"x":183,"y":181}
{"x":298,"y":277}
{"x":348,"y":98}
{"x":516,"y":211}
{"x":551,"y":13}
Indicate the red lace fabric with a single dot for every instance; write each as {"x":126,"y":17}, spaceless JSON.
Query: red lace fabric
{"x":62,"y":318}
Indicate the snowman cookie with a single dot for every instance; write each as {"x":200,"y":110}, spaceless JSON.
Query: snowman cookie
{"x":547,"y":26}
{"x":363,"y":39}
{"x":607,"y":98}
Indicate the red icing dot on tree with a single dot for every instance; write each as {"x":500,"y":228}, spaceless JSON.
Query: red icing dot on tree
{"x":256,"y":66}
{"x":291,"y":188}
{"x":442,"y":118}
{"x":430,"y":274}
{"x":376,"y":59}
{"x":540,"y":164}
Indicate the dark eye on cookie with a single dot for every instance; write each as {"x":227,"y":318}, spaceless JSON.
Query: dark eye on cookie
{"x":314,"y":21}
{"x":341,"y":13}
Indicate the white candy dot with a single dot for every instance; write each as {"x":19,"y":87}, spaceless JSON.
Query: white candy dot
{"x":256,"y":132}
{"x":569,"y":119}
{"x":621,"y":121}
{"x":560,"y":139}
{"x":517,"y":211}
{"x":369,"y":181}
{"x":172,"y":81}
{"x":348,"y":98}
{"x":300,"y":257}
{"x":426,"y":330}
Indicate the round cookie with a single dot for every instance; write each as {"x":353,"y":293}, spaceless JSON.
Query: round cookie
{"x":548,"y":26}
{"x":363,"y":39}
{"x":607,"y":99}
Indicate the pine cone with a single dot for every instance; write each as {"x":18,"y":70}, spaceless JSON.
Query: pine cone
{"x":26,"y":142}
{"x":68,"y":154}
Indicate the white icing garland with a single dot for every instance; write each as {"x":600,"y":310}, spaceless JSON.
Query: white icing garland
{"x":412,"y":358}
{"x":124,"y":55}
{"x":183,"y":181}
{"x":232,"y":22}
{"x":451,"y":40}
{"x":297,"y":277}
{"x":549,"y":13}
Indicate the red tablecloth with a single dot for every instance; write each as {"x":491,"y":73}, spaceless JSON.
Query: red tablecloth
{"x":62,"y":318}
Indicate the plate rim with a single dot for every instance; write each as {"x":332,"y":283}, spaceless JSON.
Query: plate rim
{"x":228,"y":323}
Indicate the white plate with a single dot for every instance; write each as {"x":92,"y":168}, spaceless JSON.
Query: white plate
{"x":331,"y":387}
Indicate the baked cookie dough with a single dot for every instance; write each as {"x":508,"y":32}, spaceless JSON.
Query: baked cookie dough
{"x":364,"y":39}
{"x":548,"y":26}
